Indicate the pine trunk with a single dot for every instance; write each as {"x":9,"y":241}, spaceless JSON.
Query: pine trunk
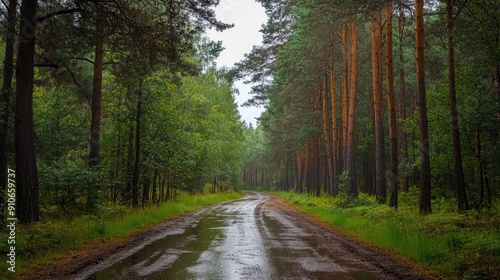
{"x":391,"y":107}
{"x":351,"y":139}
{"x":402,"y":91}
{"x":327,"y":134}
{"x":376,"y":29}
{"x":136,"y":173}
{"x":26,"y":173}
{"x":298,"y":163}
{"x":457,"y":151}
{"x":95,"y":124}
{"x":345,"y":94}
{"x":334,"y":154}
{"x":425,"y":167}
{"x":8,"y":73}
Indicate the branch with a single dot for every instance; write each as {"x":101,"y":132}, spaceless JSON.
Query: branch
{"x":84,"y":59}
{"x":57,"y":13}
{"x":49,"y":65}
{"x":10,"y":64}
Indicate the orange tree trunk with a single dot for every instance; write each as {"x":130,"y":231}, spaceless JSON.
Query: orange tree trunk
{"x":345,"y":95}
{"x":327,"y":134}
{"x":334,"y":154}
{"x":376,"y":26}
{"x":351,"y":140}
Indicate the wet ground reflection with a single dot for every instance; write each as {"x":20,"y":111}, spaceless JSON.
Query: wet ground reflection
{"x":240,"y":240}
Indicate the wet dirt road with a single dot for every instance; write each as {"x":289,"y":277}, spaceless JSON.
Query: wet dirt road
{"x":256,"y":237}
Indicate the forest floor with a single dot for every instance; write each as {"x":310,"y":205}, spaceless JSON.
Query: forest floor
{"x":259,"y":236}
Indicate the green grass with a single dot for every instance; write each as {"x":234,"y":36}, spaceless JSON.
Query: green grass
{"x":41,"y":244}
{"x":456,"y":246}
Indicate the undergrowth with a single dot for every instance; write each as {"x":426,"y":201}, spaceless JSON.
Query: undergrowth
{"x":60,"y":233}
{"x":453,"y":245}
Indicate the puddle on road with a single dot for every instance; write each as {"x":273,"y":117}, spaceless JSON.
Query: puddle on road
{"x":155,"y":261}
{"x":296,"y":252}
{"x":240,"y":240}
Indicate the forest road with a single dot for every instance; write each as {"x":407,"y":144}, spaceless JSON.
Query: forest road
{"x":255,"y":237}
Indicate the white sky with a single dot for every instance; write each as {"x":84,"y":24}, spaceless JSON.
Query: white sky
{"x":248,"y":17}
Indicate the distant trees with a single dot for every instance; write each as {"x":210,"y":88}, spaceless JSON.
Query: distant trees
{"x":321,"y":39}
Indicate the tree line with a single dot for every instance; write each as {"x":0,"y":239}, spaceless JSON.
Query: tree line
{"x":378,"y":97}
{"x":114,"y":102}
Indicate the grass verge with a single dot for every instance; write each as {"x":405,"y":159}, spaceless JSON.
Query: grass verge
{"x":41,"y":244}
{"x":455,"y":246}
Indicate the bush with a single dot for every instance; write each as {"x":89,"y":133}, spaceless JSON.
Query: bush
{"x":67,"y":186}
{"x":344,"y":200}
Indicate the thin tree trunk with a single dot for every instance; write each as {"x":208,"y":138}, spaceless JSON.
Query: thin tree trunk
{"x":298,"y":163}
{"x":391,"y":107}
{"x":402,"y":92}
{"x":425,"y":167}
{"x":155,"y":179}
{"x":95,"y":124}
{"x":317,"y":164}
{"x":136,"y":174}
{"x":351,"y":139}
{"x":308,"y":171}
{"x":327,"y":135}
{"x":130,"y":157}
{"x":345,"y":94}
{"x":334,"y":155}
{"x":8,"y":73}
{"x":116,"y":184}
{"x":463,"y":205}
{"x":26,"y":173}
{"x":380,"y":184}
{"x":145,"y":190}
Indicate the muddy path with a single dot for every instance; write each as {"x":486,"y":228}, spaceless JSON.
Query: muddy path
{"x":256,"y":237}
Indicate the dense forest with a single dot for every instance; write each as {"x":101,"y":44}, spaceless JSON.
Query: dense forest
{"x":378,"y":97}
{"x":382,"y":119}
{"x":113,"y":103}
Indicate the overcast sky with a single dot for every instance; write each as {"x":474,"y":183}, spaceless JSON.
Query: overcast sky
{"x":248,"y":17}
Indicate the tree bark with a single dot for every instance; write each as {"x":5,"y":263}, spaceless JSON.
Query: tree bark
{"x":457,"y":151}
{"x":425,"y":167}
{"x":334,"y":154}
{"x":26,"y":173}
{"x":308,"y":170}
{"x":391,"y":107}
{"x":380,"y":183}
{"x":345,"y":94}
{"x":8,"y":73}
{"x":155,"y":182}
{"x":327,"y":135}
{"x":317,"y":164}
{"x":351,"y":140}
{"x":402,"y":92}
{"x":298,"y":163}
{"x":145,"y":190}
{"x":136,"y":174}
{"x":95,"y":124}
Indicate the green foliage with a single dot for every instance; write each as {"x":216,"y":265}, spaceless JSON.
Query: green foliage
{"x":65,"y":184}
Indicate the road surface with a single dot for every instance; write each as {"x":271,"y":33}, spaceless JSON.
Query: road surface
{"x":256,"y":237}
